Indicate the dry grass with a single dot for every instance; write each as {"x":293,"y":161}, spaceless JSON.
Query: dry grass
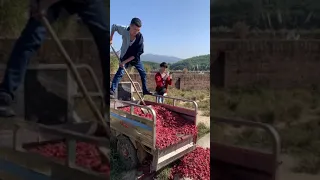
{"x":202,"y":97}
{"x":202,"y":130}
{"x":164,"y":174}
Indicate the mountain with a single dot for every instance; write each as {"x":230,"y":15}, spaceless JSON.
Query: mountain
{"x":159,"y":58}
{"x":195,"y":63}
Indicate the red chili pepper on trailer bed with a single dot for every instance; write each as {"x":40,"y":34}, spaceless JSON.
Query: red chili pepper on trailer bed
{"x":87,"y":155}
{"x":169,"y":125}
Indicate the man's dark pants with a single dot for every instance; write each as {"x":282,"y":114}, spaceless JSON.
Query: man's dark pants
{"x":93,"y":14}
{"x":139,"y":66}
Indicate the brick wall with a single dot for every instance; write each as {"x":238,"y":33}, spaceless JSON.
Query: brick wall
{"x":272,"y":63}
{"x":84,"y":51}
{"x":264,"y":35}
{"x":180,"y":81}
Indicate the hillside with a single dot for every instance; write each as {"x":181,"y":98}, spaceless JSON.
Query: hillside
{"x":153,"y":65}
{"x":203,"y":63}
{"x":159,"y":58}
{"x":195,"y":63}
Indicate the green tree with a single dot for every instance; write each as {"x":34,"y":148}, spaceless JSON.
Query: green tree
{"x":114,"y":64}
{"x":147,"y":68}
{"x":132,"y":70}
{"x":185,"y":70}
{"x":153,"y":65}
{"x":198,"y":62}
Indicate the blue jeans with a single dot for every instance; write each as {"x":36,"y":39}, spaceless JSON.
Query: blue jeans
{"x":117,"y":77}
{"x":160,"y":99}
{"x":93,"y":14}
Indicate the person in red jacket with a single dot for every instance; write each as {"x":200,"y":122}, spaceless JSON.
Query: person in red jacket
{"x":163,"y":79}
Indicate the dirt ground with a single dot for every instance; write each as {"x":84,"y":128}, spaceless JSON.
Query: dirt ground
{"x":285,"y":172}
{"x":203,"y":119}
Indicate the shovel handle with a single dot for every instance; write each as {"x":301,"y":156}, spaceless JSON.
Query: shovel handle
{"x":134,"y":86}
{"x":75,"y":74}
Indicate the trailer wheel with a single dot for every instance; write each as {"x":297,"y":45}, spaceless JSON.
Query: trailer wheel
{"x":127,"y":152}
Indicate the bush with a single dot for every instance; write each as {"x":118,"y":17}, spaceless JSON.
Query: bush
{"x":185,"y":70}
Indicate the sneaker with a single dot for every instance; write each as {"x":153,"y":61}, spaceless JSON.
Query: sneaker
{"x":5,"y":105}
{"x":111,"y":94}
{"x":147,"y":93}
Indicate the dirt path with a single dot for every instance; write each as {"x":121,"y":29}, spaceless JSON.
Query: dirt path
{"x":285,"y":171}
{"x":205,"y":140}
{"x":203,"y":119}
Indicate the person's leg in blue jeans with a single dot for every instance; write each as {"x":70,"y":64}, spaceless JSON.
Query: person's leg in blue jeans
{"x":94,"y":15}
{"x":25,"y":47}
{"x":161,"y":99}
{"x":116,"y":79}
{"x":143,"y":76}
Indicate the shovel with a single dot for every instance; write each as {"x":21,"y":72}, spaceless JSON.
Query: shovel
{"x":81,"y":85}
{"x":145,"y":111}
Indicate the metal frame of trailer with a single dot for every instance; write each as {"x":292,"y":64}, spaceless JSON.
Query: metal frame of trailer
{"x":245,"y":163}
{"x":18,"y":163}
{"x":139,"y":134}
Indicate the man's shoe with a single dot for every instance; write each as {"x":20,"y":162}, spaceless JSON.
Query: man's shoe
{"x":5,"y":105}
{"x":147,"y":93}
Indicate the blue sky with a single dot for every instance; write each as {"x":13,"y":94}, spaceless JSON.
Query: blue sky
{"x":178,"y":28}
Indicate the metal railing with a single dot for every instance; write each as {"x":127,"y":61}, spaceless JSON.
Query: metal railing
{"x":271,"y":131}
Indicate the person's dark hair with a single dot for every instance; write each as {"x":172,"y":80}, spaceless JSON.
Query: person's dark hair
{"x":136,"y":22}
{"x":164,"y":64}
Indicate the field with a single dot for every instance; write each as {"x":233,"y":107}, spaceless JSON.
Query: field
{"x":203,"y":100}
{"x":294,"y":113}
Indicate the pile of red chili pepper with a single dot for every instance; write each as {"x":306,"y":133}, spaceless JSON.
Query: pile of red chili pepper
{"x":168,"y":126}
{"x":87,"y":155}
{"x":195,"y":165}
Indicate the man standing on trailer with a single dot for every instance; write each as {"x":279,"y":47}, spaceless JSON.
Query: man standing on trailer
{"x":92,"y":13}
{"x":131,"y":50}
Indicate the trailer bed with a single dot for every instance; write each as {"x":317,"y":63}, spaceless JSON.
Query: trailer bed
{"x":15,"y":160}
{"x":142,"y":131}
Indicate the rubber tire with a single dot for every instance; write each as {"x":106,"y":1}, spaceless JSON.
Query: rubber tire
{"x":132,"y":161}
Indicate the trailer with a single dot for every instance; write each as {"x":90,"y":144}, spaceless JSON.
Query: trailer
{"x":16,"y":162}
{"x":229,"y":161}
{"x":136,"y":136}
